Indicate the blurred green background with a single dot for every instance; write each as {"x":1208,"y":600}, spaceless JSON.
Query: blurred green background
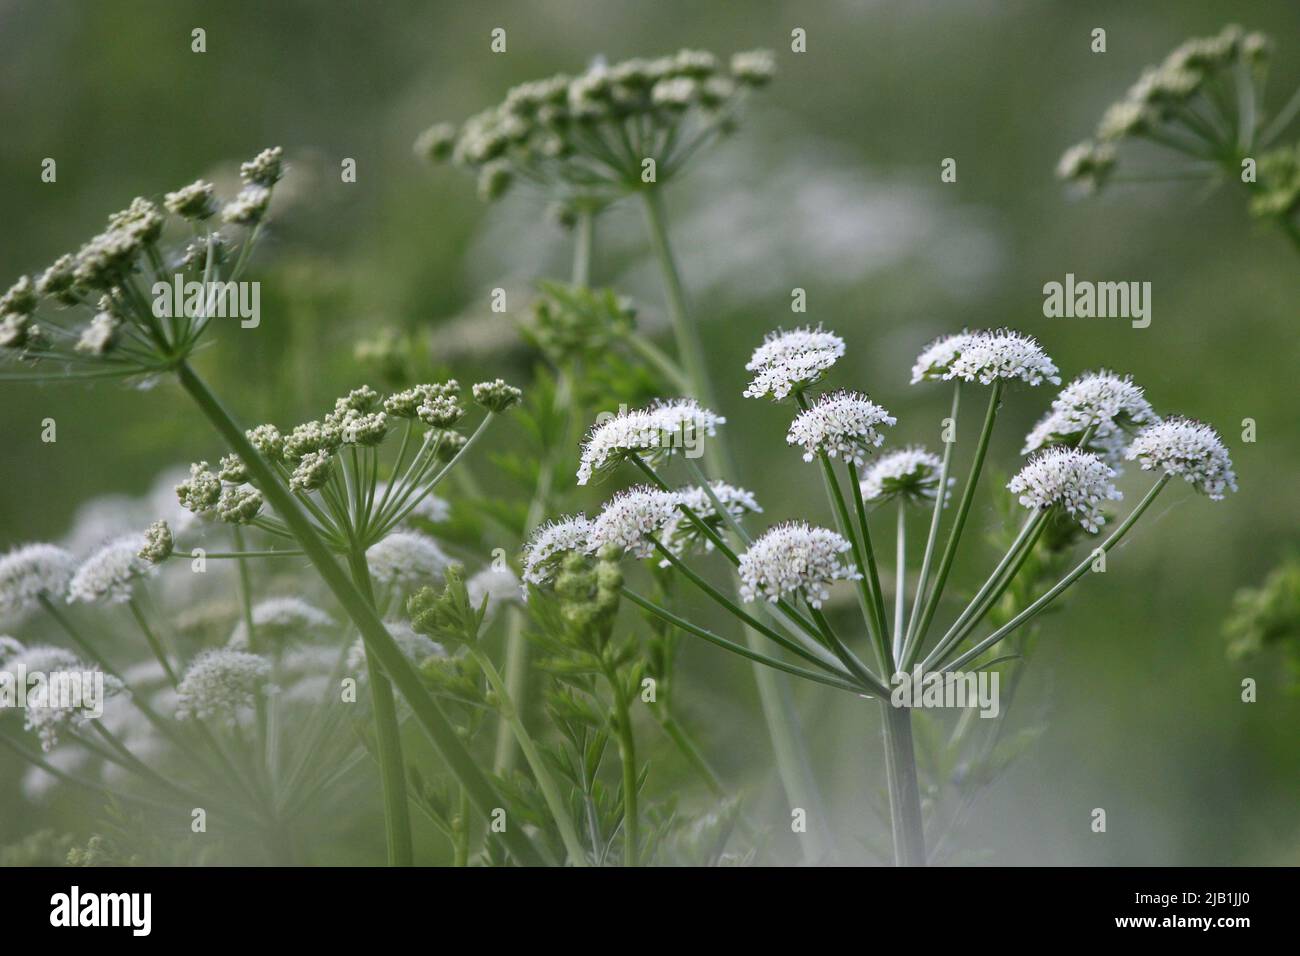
{"x":832,"y":184}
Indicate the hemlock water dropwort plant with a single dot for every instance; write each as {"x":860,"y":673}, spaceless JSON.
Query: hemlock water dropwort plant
{"x":1205,"y":102}
{"x":324,"y":505}
{"x":787,"y":573}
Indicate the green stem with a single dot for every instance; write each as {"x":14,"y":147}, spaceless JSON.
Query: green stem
{"x":550,"y":791}
{"x":376,"y":637}
{"x":904,"y":791}
{"x":627,"y":757}
{"x":959,"y":522}
{"x":900,"y":577}
{"x":388,"y":737}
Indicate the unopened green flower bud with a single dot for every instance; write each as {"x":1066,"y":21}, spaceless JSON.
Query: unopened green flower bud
{"x":264,"y":169}
{"x":158,"y":543}
{"x":313,"y":471}
{"x":201,"y":491}
{"x":192,"y":202}
{"x":497,"y":396}
{"x":493,"y":180}
{"x":239,"y":504}
{"x":233,"y":470}
{"x":21,"y":298}
{"x":267,"y":440}
{"x":436,"y":143}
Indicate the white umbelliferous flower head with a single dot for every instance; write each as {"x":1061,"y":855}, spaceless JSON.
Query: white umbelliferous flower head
{"x":681,"y":535}
{"x":1003,"y":354}
{"x":792,"y":558}
{"x":280,"y":620}
{"x":407,"y":559}
{"x":630,"y":517}
{"x":30,"y":572}
{"x":221,"y":684}
{"x":108,"y":576}
{"x":792,"y":360}
{"x":1080,"y":482}
{"x":911,"y":474}
{"x":416,"y":648}
{"x":551,"y":542}
{"x":842,"y":424}
{"x":1109,"y":404}
{"x":935,"y":360}
{"x":498,"y":585}
{"x":1192,"y":449}
{"x":650,"y":433}
{"x":68,"y":696}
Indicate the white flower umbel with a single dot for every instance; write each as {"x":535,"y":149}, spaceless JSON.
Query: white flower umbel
{"x":30,"y":572}
{"x":417,"y":648}
{"x":630,"y":516}
{"x":1189,"y":449}
{"x":1107,"y":403}
{"x":842,"y":424}
{"x":936,"y":359}
{"x":109,"y":575}
{"x":50,"y":713}
{"x":281,"y":619}
{"x":681,"y":535}
{"x":1080,"y":482}
{"x":1003,"y":354}
{"x":792,"y":558}
{"x":650,"y":433}
{"x":407,"y":559}
{"x":220,"y":685}
{"x":909,"y":473}
{"x":792,"y":359}
{"x":550,"y":543}
{"x":498,"y":586}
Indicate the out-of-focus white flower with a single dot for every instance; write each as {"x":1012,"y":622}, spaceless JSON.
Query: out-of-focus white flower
{"x":498,"y":586}
{"x":630,"y":516}
{"x":651,"y":433}
{"x":1190,"y":449}
{"x":30,"y":572}
{"x":1080,"y":482}
{"x":109,"y":575}
{"x":793,"y":359}
{"x":1002,"y":354}
{"x":550,"y":543}
{"x":842,"y":424}
{"x":67,"y":698}
{"x":417,"y":648}
{"x":221,"y":684}
{"x":681,"y":535}
{"x":791,"y":558}
{"x":909,"y":473}
{"x":407,"y":560}
{"x":281,"y":619}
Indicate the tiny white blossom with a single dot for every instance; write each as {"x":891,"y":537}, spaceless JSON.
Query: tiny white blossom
{"x":30,"y":572}
{"x":221,"y":684}
{"x":407,"y":559}
{"x":67,"y":697}
{"x":281,"y":619}
{"x":630,"y":516}
{"x":1003,"y":354}
{"x":498,"y":586}
{"x":794,"y":557}
{"x":1108,"y":403}
{"x":936,"y":359}
{"x":908,"y":473}
{"x":681,"y":535}
{"x":1080,"y":482}
{"x":551,"y":542}
{"x":1192,"y":449}
{"x":649,"y":432}
{"x":416,"y":648}
{"x":842,"y":424}
{"x":793,"y":359}
{"x":109,"y":575}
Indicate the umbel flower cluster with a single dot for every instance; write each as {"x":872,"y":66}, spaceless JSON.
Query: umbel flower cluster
{"x":333,"y":465}
{"x":785,"y":576}
{"x":92,"y":314}
{"x":1205,"y":102}
{"x":586,"y":137}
